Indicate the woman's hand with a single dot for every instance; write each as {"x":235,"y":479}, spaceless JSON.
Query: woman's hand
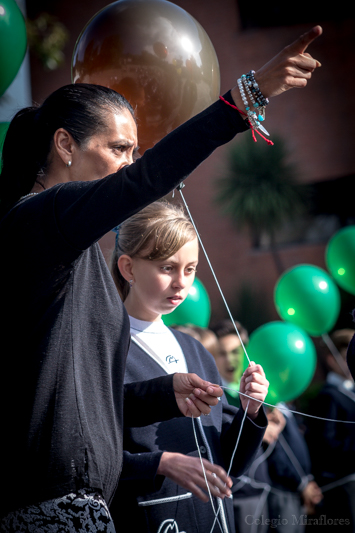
{"x":254,"y":384}
{"x":187,"y":472}
{"x":194,"y":395}
{"x":291,"y":68}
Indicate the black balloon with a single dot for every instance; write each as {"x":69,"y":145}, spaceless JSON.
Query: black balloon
{"x":155,"y":54}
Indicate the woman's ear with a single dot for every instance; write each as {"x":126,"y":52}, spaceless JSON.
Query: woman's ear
{"x":125,"y":266}
{"x":64,"y":145}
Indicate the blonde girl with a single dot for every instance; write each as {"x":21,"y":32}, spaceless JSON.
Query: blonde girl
{"x":162,"y":483}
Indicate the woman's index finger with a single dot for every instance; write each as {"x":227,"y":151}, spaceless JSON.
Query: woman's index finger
{"x":300,"y":45}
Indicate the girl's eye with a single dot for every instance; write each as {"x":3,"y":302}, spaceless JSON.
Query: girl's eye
{"x":191,"y":270}
{"x":166,"y":268}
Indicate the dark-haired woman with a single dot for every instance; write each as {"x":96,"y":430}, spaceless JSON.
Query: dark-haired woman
{"x":68,"y":178}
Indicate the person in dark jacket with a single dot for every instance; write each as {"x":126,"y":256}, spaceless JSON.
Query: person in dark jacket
{"x":293,"y":491}
{"x":332,"y":444}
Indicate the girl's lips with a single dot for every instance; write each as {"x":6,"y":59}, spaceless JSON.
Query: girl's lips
{"x":175,"y":299}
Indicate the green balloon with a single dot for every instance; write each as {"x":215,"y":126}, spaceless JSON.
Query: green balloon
{"x":308,"y":297}
{"x":194,"y":310}
{"x":288,"y":357}
{"x":340,"y":258}
{"x":13,"y":42}
{"x":3,"y":130}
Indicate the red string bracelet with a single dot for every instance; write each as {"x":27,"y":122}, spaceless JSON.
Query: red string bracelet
{"x":253,"y":130}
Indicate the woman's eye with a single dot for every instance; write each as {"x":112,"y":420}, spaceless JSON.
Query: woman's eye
{"x":166,"y":268}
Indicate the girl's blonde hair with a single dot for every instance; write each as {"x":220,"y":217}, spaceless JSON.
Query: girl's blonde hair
{"x":155,"y":233}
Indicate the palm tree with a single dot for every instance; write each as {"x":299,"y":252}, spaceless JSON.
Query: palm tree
{"x":260,"y":191}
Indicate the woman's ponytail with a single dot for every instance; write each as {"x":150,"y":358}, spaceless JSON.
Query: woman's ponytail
{"x":20,"y":164}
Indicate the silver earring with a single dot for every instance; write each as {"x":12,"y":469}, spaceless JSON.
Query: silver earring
{"x":69,"y":164}
{"x":130,"y":283}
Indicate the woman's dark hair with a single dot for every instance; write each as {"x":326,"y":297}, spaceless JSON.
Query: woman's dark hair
{"x":81,"y":109}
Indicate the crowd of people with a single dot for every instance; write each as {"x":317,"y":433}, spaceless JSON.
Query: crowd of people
{"x":109,"y":416}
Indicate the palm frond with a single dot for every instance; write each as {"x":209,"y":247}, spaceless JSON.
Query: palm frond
{"x":259,"y":189}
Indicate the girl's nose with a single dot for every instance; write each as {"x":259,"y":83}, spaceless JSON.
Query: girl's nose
{"x":179,"y":280}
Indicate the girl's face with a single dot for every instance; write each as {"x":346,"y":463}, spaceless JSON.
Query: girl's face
{"x":158,"y":287}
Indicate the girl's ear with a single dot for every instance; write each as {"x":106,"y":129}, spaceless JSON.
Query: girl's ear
{"x":125,"y":266}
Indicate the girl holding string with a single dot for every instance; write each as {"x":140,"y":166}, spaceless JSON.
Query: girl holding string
{"x":162,"y":482}
{"x":68,"y":177}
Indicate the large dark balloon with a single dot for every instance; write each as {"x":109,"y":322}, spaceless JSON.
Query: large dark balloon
{"x":155,"y":54}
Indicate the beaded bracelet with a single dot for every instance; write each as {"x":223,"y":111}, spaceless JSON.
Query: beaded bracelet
{"x":256,"y":98}
{"x":254,"y":118}
{"x":254,"y":87}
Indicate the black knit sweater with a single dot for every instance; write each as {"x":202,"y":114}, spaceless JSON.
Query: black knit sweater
{"x":64,"y":331}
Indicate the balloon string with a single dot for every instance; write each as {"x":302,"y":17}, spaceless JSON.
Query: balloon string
{"x":233,"y":455}
{"x":213,"y":273}
{"x":280,"y":408}
{"x":205,"y":476}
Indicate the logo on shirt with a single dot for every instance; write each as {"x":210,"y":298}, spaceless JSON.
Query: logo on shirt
{"x":171,"y":359}
{"x":169,"y":526}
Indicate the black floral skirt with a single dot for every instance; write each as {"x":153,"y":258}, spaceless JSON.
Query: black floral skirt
{"x":82,"y":512}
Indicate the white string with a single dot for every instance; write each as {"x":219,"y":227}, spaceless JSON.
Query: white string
{"x":214,"y":275}
{"x":205,"y":476}
{"x":280,"y":408}
{"x":240,"y":431}
{"x":233,"y":454}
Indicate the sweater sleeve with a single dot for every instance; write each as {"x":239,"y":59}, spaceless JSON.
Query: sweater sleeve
{"x":146,"y":402}
{"x":86,"y":210}
{"x":142,"y":466}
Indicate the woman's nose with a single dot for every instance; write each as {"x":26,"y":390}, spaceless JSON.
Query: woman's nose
{"x":126,"y":160}
{"x":129,"y":158}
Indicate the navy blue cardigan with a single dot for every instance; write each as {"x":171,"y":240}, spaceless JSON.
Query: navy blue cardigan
{"x":140,"y":489}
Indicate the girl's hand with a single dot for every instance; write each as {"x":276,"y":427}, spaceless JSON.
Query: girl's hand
{"x":195,"y":396}
{"x":187,"y":472}
{"x":254,"y":384}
